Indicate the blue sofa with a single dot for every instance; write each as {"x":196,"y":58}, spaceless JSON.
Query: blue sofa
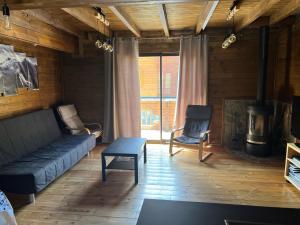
{"x":34,"y":151}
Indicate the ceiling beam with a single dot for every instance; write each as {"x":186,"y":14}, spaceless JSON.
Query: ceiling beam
{"x":36,"y":4}
{"x":287,"y":10}
{"x":164,"y":19}
{"x":46,"y":17}
{"x":206,"y":15}
{"x":126,"y":20}
{"x":28,"y":29}
{"x":87,"y":16}
{"x":259,"y":10}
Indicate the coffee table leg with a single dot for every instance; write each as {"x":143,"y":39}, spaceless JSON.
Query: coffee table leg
{"x":145,"y":153}
{"x":103,"y":167}
{"x":136,"y":170}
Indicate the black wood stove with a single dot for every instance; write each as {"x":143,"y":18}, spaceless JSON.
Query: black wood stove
{"x":260,"y":115}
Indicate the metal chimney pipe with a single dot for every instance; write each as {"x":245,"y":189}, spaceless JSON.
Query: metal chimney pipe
{"x":263,"y":65}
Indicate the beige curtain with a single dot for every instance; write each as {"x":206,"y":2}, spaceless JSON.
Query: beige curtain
{"x":126,"y":88}
{"x":192,"y":87}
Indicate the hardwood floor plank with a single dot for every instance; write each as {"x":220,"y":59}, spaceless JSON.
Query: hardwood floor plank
{"x":79,"y":197}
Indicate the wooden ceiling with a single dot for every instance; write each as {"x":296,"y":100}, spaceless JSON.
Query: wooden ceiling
{"x":150,"y":15}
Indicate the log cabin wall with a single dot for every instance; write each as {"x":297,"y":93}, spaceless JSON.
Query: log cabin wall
{"x":49,"y":75}
{"x":287,"y":75}
{"x":233,"y":73}
{"x":84,"y":82}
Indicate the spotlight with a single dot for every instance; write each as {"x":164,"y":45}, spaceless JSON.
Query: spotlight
{"x":233,"y":9}
{"x":232,"y":38}
{"x":105,"y":46}
{"x":229,"y":39}
{"x":110,"y":48}
{"x":101,"y":17}
{"x":98,"y":44}
{"x":6,"y":15}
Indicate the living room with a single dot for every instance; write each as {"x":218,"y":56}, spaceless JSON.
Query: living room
{"x":150,"y":112}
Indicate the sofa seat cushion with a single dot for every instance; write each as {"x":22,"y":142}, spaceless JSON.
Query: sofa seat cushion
{"x":36,"y":170}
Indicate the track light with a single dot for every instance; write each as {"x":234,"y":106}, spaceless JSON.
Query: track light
{"x":233,"y":9}
{"x":6,"y":15}
{"x":106,"y":45}
{"x":229,"y":39}
{"x":98,"y":44}
{"x":101,"y":17}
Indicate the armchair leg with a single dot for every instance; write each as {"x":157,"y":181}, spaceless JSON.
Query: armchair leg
{"x":203,"y":155}
{"x":171,"y":147}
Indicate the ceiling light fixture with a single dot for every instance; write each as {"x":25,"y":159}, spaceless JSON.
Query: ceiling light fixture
{"x":229,"y":39}
{"x":233,"y":9}
{"x":100,"y":42}
{"x":101,"y":17}
{"x":6,"y":15}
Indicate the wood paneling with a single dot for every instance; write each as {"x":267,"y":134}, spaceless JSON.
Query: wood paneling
{"x":28,"y":29}
{"x":87,"y":15}
{"x":114,"y":22}
{"x":84,"y":82}
{"x":80,"y":197}
{"x":287,"y":75}
{"x":232,"y":74}
{"x":146,"y":17}
{"x":49,"y":75}
{"x":184,"y":16}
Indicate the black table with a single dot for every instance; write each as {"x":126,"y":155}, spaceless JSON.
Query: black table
{"x":161,"y":212}
{"x":124,"y":147}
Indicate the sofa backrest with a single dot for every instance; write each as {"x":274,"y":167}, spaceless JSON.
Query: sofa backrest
{"x":24,"y":134}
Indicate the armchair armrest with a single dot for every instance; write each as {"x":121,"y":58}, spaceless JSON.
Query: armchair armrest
{"x":177,"y":129}
{"x":92,"y":124}
{"x":202,"y":134}
{"x":74,"y":129}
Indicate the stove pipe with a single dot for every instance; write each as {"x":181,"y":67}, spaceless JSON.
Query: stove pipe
{"x":263,"y":65}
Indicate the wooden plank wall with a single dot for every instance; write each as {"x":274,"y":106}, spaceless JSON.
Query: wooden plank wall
{"x":84,"y":83}
{"x":287,"y":70}
{"x":49,"y":74}
{"x":233,"y":73}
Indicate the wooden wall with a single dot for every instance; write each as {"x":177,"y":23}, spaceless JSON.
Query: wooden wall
{"x":233,"y":73}
{"x":49,"y":75}
{"x":84,"y":82}
{"x":287,"y":70}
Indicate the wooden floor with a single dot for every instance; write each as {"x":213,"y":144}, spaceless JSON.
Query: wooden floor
{"x":79,"y":197}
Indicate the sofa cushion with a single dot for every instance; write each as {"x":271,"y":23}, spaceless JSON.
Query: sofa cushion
{"x":36,"y":170}
{"x":24,"y":134}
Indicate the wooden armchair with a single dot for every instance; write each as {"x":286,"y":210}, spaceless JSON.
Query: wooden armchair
{"x":195,"y":131}
{"x":69,"y":116}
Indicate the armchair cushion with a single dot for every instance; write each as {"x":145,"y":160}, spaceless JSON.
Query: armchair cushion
{"x":187,"y":140}
{"x":69,"y":116}
{"x":193,"y":128}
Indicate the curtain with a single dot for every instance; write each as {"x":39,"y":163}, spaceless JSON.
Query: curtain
{"x":126,"y":88}
{"x":108,"y":134}
{"x":192,"y":86}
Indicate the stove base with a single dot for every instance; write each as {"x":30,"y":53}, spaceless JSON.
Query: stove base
{"x":260,"y":150}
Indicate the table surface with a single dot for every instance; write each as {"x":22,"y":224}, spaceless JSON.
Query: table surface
{"x":125,"y":146}
{"x":162,"y":212}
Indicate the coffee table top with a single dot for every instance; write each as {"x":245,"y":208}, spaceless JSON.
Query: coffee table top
{"x":125,"y":147}
{"x":162,"y":212}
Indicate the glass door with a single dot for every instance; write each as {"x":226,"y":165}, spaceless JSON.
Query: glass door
{"x":158,"y":82}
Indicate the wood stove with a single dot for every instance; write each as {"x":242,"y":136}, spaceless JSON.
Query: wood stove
{"x":260,"y":114}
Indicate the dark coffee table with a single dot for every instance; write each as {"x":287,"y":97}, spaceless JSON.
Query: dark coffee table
{"x":161,"y":212}
{"x":133,"y":148}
